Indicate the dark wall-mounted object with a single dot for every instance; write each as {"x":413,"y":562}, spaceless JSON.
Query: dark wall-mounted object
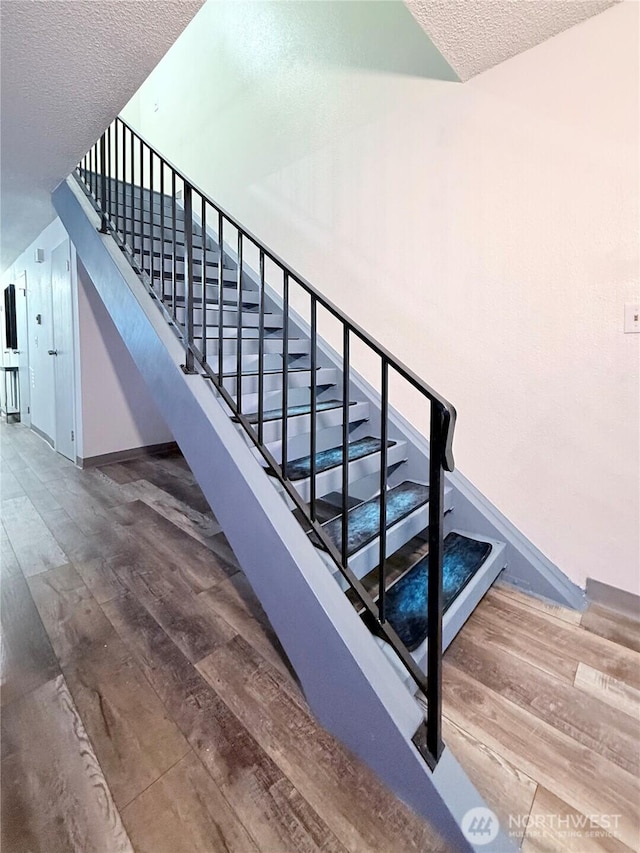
{"x":10,"y":322}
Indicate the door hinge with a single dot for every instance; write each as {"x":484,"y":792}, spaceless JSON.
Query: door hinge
{"x":68,"y":266}
{"x":72,"y":436}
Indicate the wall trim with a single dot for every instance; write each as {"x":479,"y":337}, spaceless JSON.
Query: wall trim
{"x":626,"y":603}
{"x":43,"y":435}
{"x":127,"y":455}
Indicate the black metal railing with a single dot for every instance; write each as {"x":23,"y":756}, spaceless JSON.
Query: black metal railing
{"x":141,"y":197}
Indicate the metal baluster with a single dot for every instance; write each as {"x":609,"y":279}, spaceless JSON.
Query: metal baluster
{"x":203,"y":278}
{"x":109,"y":210}
{"x":285,"y":369}
{"x":174,"y":264}
{"x":434,"y":584}
{"x":239,"y":327}
{"x":142,"y":264}
{"x":124,"y":184}
{"x":162,"y":235}
{"x":152,"y":221}
{"x":133,"y":208}
{"x":345,"y":443}
{"x":96,"y":167}
{"x":261,"y":353}
{"x":384,"y":416}
{"x":103,"y":183}
{"x":117,"y":174}
{"x":220,"y":298}
{"x":188,"y":275}
{"x":314,"y":407}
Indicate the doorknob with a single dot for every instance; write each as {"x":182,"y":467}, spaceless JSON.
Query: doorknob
{"x":53,"y":352}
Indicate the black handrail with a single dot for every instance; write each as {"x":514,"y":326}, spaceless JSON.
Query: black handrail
{"x":106,"y":172}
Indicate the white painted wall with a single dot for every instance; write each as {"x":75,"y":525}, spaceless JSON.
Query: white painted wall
{"x":117,"y":410}
{"x":486,"y":233}
{"x":114,"y":411}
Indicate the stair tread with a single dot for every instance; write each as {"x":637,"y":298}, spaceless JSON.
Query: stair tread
{"x":211,"y":281}
{"x":211,"y":305}
{"x":327,"y":459}
{"x":233,"y":375}
{"x":168,"y":256}
{"x":293,"y":411}
{"x":364,"y":520}
{"x":406,"y":600}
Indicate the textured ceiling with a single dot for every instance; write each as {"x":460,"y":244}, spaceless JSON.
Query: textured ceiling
{"x":474,"y":35}
{"x":67,"y":68}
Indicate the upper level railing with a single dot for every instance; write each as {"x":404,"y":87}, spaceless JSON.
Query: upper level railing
{"x":121,"y":173}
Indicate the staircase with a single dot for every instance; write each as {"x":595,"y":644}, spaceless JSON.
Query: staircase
{"x":300,"y":410}
{"x":393,"y":577}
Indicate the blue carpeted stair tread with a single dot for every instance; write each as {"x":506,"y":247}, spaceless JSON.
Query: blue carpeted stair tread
{"x":326,"y":459}
{"x":406,"y":601}
{"x":293,"y":411}
{"x":364,"y":520}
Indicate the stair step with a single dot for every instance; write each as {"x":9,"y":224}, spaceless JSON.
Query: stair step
{"x":211,"y":278}
{"x":298,"y":469}
{"x":124,"y":203}
{"x":160,"y":218}
{"x":157,"y":243}
{"x":297,"y":377}
{"x":251,"y":346}
{"x":272,"y":361}
{"x":364,"y":520}
{"x":143,"y":226}
{"x":329,"y":415}
{"x":406,"y":600}
{"x":397,"y":565}
{"x":295,"y":411}
{"x":228,"y":305}
{"x":250,"y":319}
{"x":277,"y":372}
{"x":212,"y":259}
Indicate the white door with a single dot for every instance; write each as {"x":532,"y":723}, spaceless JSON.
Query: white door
{"x":23,"y":349}
{"x":62,"y":351}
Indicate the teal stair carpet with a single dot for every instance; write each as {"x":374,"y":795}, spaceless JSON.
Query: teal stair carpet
{"x":406,"y":601}
{"x":326,"y":459}
{"x":364,"y":520}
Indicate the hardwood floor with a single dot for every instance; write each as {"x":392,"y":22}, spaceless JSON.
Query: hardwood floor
{"x":543,"y":711}
{"x":147,"y":704}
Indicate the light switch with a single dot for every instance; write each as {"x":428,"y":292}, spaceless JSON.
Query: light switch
{"x":631,"y":317}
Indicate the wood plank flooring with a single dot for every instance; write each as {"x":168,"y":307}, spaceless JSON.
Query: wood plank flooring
{"x":147,"y":704}
{"x":542,"y":708}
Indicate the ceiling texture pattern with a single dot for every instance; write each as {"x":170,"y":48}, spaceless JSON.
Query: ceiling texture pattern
{"x":67,"y":68}
{"x":474,"y":35}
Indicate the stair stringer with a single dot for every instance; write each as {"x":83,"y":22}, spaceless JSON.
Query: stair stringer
{"x":350,"y":685}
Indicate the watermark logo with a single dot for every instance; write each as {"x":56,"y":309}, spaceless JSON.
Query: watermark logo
{"x":480,"y":826}
{"x":570,"y":825}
